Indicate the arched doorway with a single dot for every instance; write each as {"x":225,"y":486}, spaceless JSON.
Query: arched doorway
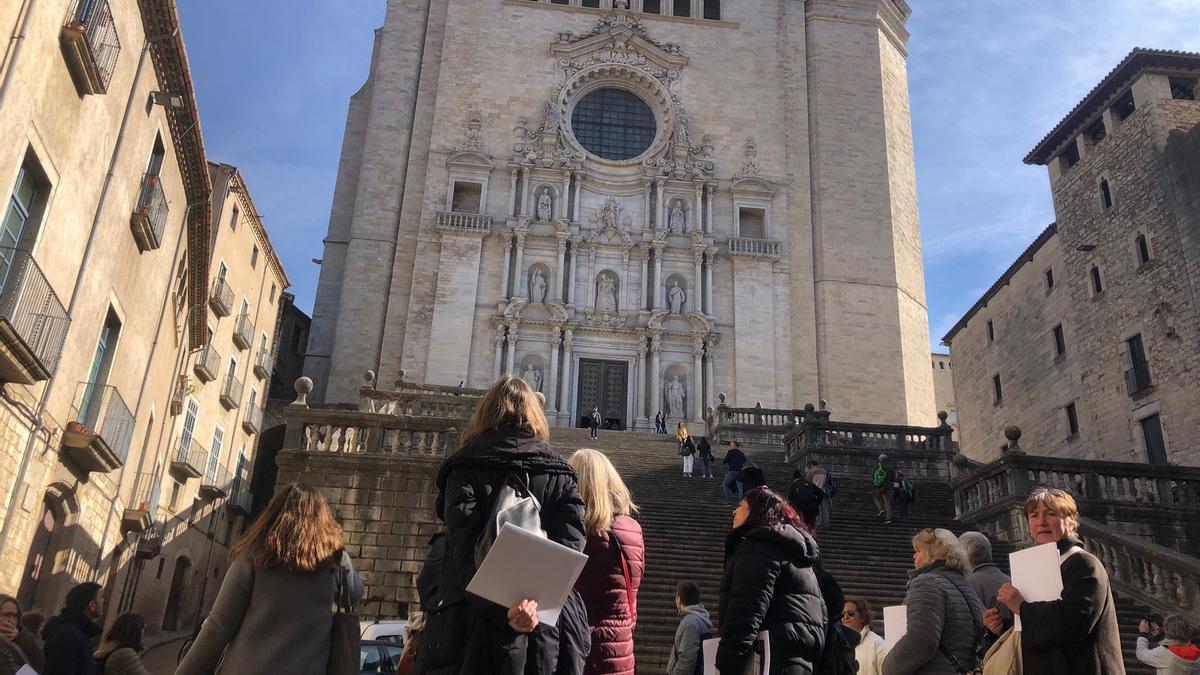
{"x":44,"y":547}
{"x":178,"y":593}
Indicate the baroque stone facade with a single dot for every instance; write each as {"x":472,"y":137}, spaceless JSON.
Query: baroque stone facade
{"x":750,"y":227}
{"x":1090,"y":342}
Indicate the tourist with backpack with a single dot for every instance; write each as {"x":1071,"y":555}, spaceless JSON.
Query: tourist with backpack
{"x":903,"y":494}
{"x":687,"y":654}
{"x":505,"y":459}
{"x":612,"y":574}
{"x":882,"y":477}
{"x":837,"y":656}
{"x":805,"y":498}
{"x":945,"y":617}
{"x":817,"y":475}
{"x":119,"y":654}
{"x":704,"y":452}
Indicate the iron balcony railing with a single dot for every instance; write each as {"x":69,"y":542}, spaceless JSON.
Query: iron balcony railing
{"x":216,"y":480}
{"x":101,"y":409}
{"x":1137,"y":379}
{"x":31,"y":307}
{"x":149,"y":219}
{"x":263,"y":363}
{"x":231,"y":392}
{"x":91,"y":35}
{"x":221,"y":297}
{"x":243,"y":331}
{"x":252,"y":421}
{"x":190,"y":456}
{"x":238,"y":499}
{"x":145,"y":493}
{"x":208,"y":363}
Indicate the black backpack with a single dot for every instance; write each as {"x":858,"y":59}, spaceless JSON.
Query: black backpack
{"x":804,"y":494}
{"x":830,"y":485}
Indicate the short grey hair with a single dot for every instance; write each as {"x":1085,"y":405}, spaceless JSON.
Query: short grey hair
{"x":978,"y":548}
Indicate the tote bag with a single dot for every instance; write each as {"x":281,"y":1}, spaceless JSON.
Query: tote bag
{"x":344,"y":633}
{"x":1004,"y":658}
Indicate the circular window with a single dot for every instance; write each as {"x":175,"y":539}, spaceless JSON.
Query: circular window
{"x":613,"y":124}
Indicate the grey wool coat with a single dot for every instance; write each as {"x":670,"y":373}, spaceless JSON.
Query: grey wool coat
{"x":943,"y":612}
{"x":268,"y":621}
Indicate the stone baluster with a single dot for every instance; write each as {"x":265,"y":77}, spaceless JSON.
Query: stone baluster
{"x":639,"y":396}
{"x":697,"y":392}
{"x":519,"y":280}
{"x":551,"y":377}
{"x":708,"y":212}
{"x":698,"y":212}
{"x":506,"y":286}
{"x":655,"y":384}
{"x":564,"y":200}
{"x":565,"y":393}
{"x":512,"y":349}
{"x":571,"y":272}
{"x":657,"y":281}
{"x":708,"y":281}
{"x":696,"y":296}
{"x":560,"y":271}
{"x":512,"y":194}
{"x":660,"y":184}
{"x":499,"y":341}
{"x":525,"y":192}
{"x":645,"y":285}
{"x":709,"y":380}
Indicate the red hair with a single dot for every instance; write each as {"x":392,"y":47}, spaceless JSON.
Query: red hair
{"x":768,"y":508}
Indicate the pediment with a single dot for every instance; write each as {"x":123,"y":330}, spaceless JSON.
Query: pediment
{"x":470,"y":159}
{"x":619,"y":38}
{"x":612,"y":236}
{"x":755,"y":186}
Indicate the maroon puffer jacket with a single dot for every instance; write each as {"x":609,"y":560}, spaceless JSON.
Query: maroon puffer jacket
{"x":602,"y":585}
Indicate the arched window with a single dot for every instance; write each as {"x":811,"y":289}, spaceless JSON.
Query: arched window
{"x":712,"y":9}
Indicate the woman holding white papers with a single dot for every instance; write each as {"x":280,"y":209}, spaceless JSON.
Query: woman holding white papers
{"x":944,"y":615}
{"x":616,"y":559}
{"x":1078,"y":633}
{"x":504,"y":444}
{"x":769,"y":586}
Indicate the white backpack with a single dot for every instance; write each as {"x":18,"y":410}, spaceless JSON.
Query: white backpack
{"x":519,"y":508}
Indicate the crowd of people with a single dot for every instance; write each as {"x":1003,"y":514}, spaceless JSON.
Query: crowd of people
{"x":275,"y":611}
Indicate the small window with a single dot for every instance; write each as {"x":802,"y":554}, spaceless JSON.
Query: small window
{"x":1070,"y":154}
{"x":991,"y":331}
{"x":652,"y":6}
{"x":712,"y":9}
{"x":1096,"y":132}
{"x":23,"y":215}
{"x":953,"y":417}
{"x":154,"y":165}
{"x":1049,"y":276}
{"x":1143,"y":250}
{"x":683,"y":8}
{"x":1060,"y":341}
{"x":1097,"y":282}
{"x":997,"y":390}
{"x":1106,"y":199}
{"x":591,"y":3}
{"x":1183,"y":89}
{"x":271,"y":297}
{"x":1072,"y":419}
{"x":173,"y":502}
{"x":942,"y":365}
{"x":1156,"y":445}
{"x":254,"y":257}
{"x":233,"y":220}
{"x":221,"y":271}
{"x":467,"y":197}
{"x":752,"y":223}
{"x":560,"y":2}
{"x":1124,"y":106}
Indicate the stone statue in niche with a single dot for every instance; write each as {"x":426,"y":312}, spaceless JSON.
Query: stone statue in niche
{"x":553,"y":117}
{"x":606,"y":295}
{"x":533,"y":376}
{"x":537,"y":286}
{"x":677,"y":220}
{"x":676,"y":297}
{"x":544,"y":205}
{"x":675,"y":393}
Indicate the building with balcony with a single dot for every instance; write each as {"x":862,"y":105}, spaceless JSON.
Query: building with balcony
{"x":116,"y":260}
{"x":1090,"y":341}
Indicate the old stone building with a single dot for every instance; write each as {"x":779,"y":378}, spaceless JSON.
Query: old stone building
{"x":1090,"y":342}
{"x":111,"y":465}
{"x":636,"y":205}
{"x":943,"y":388}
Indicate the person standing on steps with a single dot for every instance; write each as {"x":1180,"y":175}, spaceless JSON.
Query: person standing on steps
{"x":735,"y":459}
{"x":817,"y":475}
{"x":857,"y":616}
{"x":612,"y":574}
{"x":687,"y":656}
{"x":805,"y":498}
{"x":882,"y":478}
{"x":594,"y":423}
{"x":704,"y":452}
{"x":903,"y":494}
{"x":660,"y":423}
{"x":687,"y":450}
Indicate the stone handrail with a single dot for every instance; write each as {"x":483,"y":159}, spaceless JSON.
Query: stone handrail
{"x":416,"y":404}
{"x":757,"y":247}
{"x":1156,"y":575}
{"x":851,"y":447}
{"x":751,"y":426}
{"x":464,"y":221}
{"x":353,"y":432}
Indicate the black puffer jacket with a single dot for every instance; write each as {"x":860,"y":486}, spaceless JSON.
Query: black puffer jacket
{"x":465,"y":634}
{"x":769,"y":584}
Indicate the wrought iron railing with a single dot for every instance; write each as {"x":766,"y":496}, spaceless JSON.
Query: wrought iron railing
{"x":263,"y":362}
{"x":243,"y":331}
{"x":152,"y":206}
{"x":145,"y":493}
{"x":221,"y":297}
{"x":95,"y":20}
{"x":252,"y":421}
{"x":1137,"y":379}
{"x":191,"y":453}
{"x":231,"y":391}
{"x":101,"y":409}
{"x":30,"y":305}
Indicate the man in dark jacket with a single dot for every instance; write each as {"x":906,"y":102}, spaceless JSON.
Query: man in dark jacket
{"x":735,"y":459}
{"x":985,"y":579}
{"x":69,"y":635}
{"x":805,"y":498}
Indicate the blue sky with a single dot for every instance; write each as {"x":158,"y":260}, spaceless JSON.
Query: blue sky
{"x":988,"y":79}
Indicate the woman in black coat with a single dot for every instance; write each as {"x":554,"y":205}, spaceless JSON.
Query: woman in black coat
{"x":505,"y":442}
{"x":1077,"y":634}
{"x":769,"y":584}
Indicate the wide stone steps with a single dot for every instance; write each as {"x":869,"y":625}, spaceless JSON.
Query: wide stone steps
{"x":685,"y":522}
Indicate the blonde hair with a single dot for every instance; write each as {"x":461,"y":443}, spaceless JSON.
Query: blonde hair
{"x":680,"y":432}
{"x":510,"y":402}
{"x":296,"y":532}
{"x":1059,"y":501}
{"x":604,"y":493}
{"x":941,"y":546}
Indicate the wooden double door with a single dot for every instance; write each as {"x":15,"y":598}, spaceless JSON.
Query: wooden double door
{"x":603,"y":385}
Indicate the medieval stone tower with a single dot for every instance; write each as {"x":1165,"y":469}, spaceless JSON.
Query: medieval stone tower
{"x":634,"y":204}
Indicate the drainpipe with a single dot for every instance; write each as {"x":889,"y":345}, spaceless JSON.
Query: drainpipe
{"x":40,"y":425}
{"x":14,"y":47}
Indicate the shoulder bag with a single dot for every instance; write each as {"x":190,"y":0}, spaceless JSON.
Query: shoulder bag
{"x":344,"y":633}
{"x":624,"y":570}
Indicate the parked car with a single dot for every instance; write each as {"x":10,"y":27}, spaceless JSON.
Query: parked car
{"x":392,"y":631}
{"x":375,"y":656}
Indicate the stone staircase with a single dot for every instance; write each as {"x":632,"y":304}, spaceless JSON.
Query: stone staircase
{"x":685,"y":522}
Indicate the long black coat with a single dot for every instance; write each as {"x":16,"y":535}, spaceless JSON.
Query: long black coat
{"x":466,"y":634}
{"x":769,"y":584}
{"x":1078,"y":634}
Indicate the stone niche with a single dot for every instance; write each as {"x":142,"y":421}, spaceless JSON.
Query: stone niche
{"x":676,"y":392}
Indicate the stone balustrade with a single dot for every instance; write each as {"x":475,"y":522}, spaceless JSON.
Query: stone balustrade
{"x":473,"y":222}
{"x":851,"y":448}
{"x":355,"y":432}
{"x":770,"y":248}
{"x":751,"y":426}
{"x":1165,"y":579}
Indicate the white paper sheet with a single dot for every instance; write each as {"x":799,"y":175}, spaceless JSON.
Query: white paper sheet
{"x":895,"y":625}
{"x":1035,"y":572}
{"x":523,"y":565}
{"x":708,"y":650}
{"x":26,"y":670}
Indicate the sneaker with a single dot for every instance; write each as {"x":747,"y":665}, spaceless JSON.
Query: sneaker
{"x":879,"y":514}
{"x":888,"y":521}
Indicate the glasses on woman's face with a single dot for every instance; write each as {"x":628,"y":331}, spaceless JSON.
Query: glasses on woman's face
{"x":850,"y":612}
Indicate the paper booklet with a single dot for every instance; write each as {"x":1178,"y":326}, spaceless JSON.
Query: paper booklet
{"x":1036,"y":573}
{"x":522,"y":565}
{"x":895,"y":625}
{"x":760,"y":663}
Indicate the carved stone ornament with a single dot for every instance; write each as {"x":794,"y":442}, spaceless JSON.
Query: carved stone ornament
{"x":750,"y":168}
{"x":473,"y":139}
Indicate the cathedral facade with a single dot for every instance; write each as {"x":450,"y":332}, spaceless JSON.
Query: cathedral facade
{"x":636,"y":205}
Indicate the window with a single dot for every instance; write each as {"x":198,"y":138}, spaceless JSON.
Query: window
{"x":712,"y":9}
{"x":1070,"y":154}
{"x":942,"y":365}
{"x":90,"y":405}
{"x":559,"y":2}
{"x":591,"y":3}
{"x":953,"y":417}
{"x":996,"y":389}
{"x":154,"y":165}
{"x":1105,"y":194}
{"x":297,"y":341}
{"x":613,"y":124}
{"x":683,"y":8}
{"x":1049,"y":276}
{"x":1072,"y":420}
{"x":173,"y":502}
{"x":1060,"y":342}
{"x":1097,"y":282}
{"x":752,"y":223}
{"x":1152,"y":434}
{"x":991,"y":331}
{"x":1138,"y":376}
{"x":233,"y":220}
{"x":1183,"y":89}
{"x":271,"y":297}
{"x":245,"y":308}
{"x":181,"y":282}
{"x":1143,"y":250}
{"x":254,"y":257}
{"x":1096,"y":132}
{"x":214,"y":455}
{"x":1124,"y":106}
{"x":467,"y":198}
{"x":221,"y":271}
{"x":23,"y":214}
{"x":652,"y":6}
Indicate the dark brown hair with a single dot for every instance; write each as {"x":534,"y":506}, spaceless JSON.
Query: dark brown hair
{"x":126,"y":631}
{"x":296,"y":532}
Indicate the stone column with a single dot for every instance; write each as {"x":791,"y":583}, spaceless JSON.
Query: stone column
{"x":524,"y":210}
{"x":506,"y":286}
{"x":551,"y":378}
{"x":519,"y":272}
{"x":639,"y":396}
{"x":564,"y":394}
{"x":646,"y":205}
{"x":695,"y":296}
{"x":571,"y":272}
{"x":708,"y":281}
{"x":497,"y":368}
{"x":655,"y":384}
{"x":565,"y":198}
{"x":512,"y":350}
{"x":697,"y":392}
{"x":645,"y":282}
{"x":698,"y":220}
{"x":708,"y":216}
{"x":626,"y":286}
{"x":578,"y":189}
{"x":591,"y":284}
{"x":659,"y":184}
{"x":709,"y":377}
{"x":512,"y":194}
{"x":657,"y":282}
{"x":560,"y":273}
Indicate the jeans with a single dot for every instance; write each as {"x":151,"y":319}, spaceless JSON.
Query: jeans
{"x":595,"y":431}
{"x":706,"y":467}
{"x":727,"y":485}
{"x":826,"y":513}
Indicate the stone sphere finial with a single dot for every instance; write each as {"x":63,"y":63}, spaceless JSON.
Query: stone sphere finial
{"x":721,"y":398}
{"x":303,"y":387}
{"x":943,"y":416}
{"x":808,"y":408}
{"x":1012,"y":433}
{"x":369,"y":377}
